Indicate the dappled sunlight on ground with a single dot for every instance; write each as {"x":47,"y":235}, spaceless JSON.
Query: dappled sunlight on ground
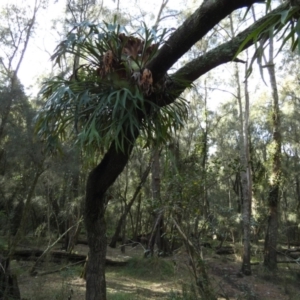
{"x":156,"y":278}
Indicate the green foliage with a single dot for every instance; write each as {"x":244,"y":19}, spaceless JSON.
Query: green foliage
{"x":283,"y":24}
{"x":73,"y":271}
{"x":150,"y":268}
{"x":104,"y":100}
{"x":3,"y":243}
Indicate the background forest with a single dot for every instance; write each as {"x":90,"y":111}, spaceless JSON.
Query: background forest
{"x":226,"y":185}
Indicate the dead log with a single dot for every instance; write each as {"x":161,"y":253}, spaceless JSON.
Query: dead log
{"x":288,"y":261}
{"x":278,"y":262}
{"x":79,"y":241}
{"x":288,"y":250}
{"x":59,"y":256}
{"x":291,"y":253}
{"x":293,"y":243}
{"x":225,"y":250}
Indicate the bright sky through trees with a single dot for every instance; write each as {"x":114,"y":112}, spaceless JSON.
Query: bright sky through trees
{"x":37,"y":62}
{"x":37,"y":59}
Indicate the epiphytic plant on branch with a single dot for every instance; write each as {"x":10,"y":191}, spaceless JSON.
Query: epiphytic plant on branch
{"x":108,"y":96}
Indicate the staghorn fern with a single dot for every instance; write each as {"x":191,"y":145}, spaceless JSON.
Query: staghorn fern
{"x":111,"y":94}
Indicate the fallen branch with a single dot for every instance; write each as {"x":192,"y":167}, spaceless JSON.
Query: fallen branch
{"x":32,"y":270}
{"x":58,"y":256}
{"x":62,"y":268}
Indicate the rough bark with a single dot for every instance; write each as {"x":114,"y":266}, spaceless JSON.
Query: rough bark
{"x":219,"y":55}
{"x":209,"y":14}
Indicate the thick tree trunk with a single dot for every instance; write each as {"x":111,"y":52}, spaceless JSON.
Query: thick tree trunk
{"x":209,"y":14}
{"x":99,"y":180}
{"x":270,"y":255}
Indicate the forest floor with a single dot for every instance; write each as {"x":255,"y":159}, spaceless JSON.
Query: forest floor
{"x":161,"y":278}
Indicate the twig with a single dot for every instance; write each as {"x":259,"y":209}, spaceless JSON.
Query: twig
{"x":51,"y":246}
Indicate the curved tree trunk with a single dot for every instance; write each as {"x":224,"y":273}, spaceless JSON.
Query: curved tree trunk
{"x":99,"y":180}
{"x":209,"y":14}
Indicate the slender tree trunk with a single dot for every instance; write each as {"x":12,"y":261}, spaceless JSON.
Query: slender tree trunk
{"x":270,"y":255}
{"x":155,"y":185}
{"x":24,"y":218}
{"x":158,"y":214}
{"x":297,"y":193}
{"x":244,"y":173}
{"x":205,"y":149}
{"x":128,"y":206}
{"x":198,"y":266}
{"x":247,"y":188}
{"x":137,"y":226}
{"x":75,"y":214}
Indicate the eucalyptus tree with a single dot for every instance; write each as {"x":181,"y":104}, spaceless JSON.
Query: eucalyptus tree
{"x":122,"y":92}
{"x":290,"y":157}
{"x":245,"y":174}
{"x":270,"y":259}
{"x":270,"y":251}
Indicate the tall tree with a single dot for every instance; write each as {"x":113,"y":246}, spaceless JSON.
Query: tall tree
{"x":123,"y":92}
{"x":270,"y":250}
{"x":245,"y":167}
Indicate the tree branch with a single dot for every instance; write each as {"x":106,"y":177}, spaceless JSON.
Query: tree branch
{"x":209,"y":14}
{"x":104,"y":175}
{"x":223,"y":53}
{"x":215,"y":57}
